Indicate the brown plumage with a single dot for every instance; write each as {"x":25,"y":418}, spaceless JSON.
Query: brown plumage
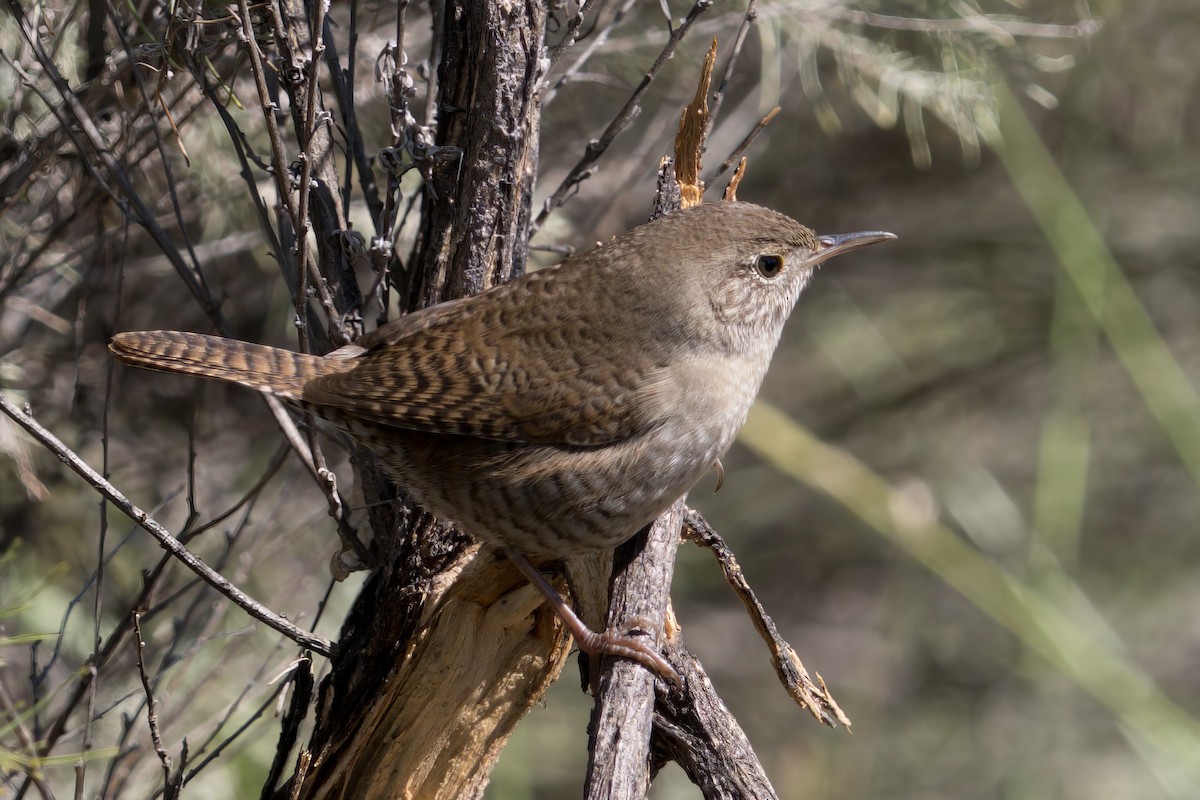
{"x":267,"y":369}
{"x":565,"y":409}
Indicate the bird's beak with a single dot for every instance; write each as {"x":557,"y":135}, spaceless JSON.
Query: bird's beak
{"x":838,"y":243}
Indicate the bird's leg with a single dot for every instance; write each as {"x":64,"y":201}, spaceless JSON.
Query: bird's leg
{"x":610,"y":642}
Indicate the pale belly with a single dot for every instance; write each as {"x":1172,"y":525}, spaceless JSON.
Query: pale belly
{"x":555,"y":501}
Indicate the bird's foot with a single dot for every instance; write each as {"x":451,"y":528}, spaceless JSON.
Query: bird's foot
{"x":612,"y":642}
{"x":630,"y":644}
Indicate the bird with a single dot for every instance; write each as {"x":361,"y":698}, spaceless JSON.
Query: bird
{"x":566,"y":409}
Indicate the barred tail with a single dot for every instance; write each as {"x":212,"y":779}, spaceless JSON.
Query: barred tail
{"x":268,"y":369}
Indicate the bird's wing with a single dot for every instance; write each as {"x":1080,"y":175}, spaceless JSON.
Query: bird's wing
{"x":538,"y":382}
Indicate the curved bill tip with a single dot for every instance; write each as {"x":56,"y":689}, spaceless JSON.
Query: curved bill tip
{"x":837,"y":243}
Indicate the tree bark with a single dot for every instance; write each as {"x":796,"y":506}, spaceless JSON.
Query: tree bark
{"x":447,"y":646}
{"x":619,"y":764}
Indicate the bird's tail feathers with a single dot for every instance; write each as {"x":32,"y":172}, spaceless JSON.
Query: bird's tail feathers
{"x":274,"y":370}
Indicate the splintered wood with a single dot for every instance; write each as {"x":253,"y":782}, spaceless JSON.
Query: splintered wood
{"x":689,"y":141}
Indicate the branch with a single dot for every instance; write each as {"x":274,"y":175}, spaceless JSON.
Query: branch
{"x":791,"y":671}
{"x":618,"y":763}
{"x":164,"y":537}
{"x":694,"y":729}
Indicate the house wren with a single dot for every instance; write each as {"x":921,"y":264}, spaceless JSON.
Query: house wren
{"x":565,"y":409}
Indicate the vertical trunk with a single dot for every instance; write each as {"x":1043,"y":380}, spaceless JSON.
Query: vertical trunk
{"x":447,"y":648}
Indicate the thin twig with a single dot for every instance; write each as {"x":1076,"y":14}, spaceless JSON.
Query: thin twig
{"x":736,"y":156}
{"x":309,"y":272}
{"x":596,"y":147}
{"x":571,"y":35}
{"x":297,"y":210}
{"x":809,"y":694}
{"x":301,"y":680}
{"x":245,"y":154}
{"x":305,"y":267}
{"x":73,"y":116}
{"x":125,"y":626}
{"x":343,"y":90}
{"x":254,"y":716}
{"x":60,"y":638}
{"x":159,"y":146}
{"x":279,"y":164}
{"x":165,"y":539}
{"x":719,"y":95}
{"x":301,"y":224}
{"x":98,"y":604}
{"x":164,"y":757}
{"x":432,"y":90}
{"x":250,"y":495}
{"x":111,"y":646}
{"x":599,"y":39}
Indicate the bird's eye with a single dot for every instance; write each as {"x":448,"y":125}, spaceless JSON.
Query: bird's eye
{"x":769,"y":266}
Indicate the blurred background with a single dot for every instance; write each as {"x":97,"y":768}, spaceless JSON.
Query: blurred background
{"x":968,"y":497}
